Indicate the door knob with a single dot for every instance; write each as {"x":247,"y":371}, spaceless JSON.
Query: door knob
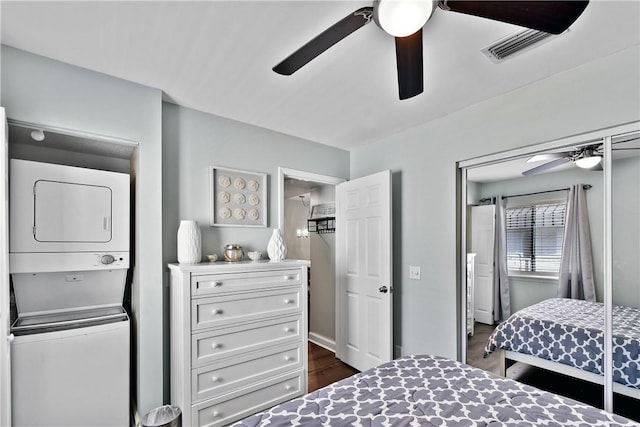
{"x":383,"y":289}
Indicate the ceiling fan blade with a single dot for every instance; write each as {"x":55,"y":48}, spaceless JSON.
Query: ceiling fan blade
{"x":324,"y":41}
{"x":543,"y":168}
{"x":547,"y":156}
{"x":549,"y":16}
{"x":409,"y":62}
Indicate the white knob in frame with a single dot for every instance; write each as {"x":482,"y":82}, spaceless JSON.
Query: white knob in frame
{"x":215,"y":379}
{"x":289,"y":358}
{"x":215,"y":345}
{"x":289,"y":329}
{"x":216,"y":311}
{"x":289,"y":301}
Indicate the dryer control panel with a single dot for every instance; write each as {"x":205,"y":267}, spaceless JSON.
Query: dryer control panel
{"x":68,"y":261}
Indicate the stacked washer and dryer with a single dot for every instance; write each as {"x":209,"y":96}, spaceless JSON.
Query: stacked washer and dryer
{"x":69,"y":257}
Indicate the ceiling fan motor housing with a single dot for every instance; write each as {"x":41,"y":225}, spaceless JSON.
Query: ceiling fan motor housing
{"x":402,"y":18}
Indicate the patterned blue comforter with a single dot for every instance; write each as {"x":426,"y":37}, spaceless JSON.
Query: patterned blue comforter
{"x":431,"y":391}
{"x":569,"y":331}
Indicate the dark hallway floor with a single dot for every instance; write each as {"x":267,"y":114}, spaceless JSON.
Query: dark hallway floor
{"x":324,"y":368}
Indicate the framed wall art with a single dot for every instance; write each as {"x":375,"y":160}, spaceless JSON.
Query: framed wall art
{"x":238,"y":198}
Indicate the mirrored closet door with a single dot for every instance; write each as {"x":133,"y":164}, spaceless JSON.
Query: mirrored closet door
{"x":550,"y":245}
{"x":625,"y":272}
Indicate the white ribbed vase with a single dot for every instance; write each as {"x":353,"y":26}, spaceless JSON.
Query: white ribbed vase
{"x":189,"y":245}
{"x":277,"y":248}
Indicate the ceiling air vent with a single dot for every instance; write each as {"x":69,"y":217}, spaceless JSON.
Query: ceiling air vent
{"x":515,"y":43}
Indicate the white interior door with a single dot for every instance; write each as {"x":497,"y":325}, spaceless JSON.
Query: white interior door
{"x":5,"y":336}
{"x":482,"y":235}
{"x":364,"y":317}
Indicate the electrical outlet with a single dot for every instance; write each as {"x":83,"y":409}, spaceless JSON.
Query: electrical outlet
{"x":414,"y":272}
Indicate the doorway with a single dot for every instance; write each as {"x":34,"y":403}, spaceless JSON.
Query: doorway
{"x":304,"y":195}
{"x":361,"y":274}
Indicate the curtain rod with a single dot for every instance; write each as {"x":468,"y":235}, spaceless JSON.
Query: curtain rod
{"x":585,"y":186}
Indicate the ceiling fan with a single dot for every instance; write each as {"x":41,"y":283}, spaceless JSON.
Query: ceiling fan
{"x":404,"y":20}
{"x":587,"y":157}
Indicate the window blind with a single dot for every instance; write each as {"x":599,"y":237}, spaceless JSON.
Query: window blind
{"x":534,"y":237}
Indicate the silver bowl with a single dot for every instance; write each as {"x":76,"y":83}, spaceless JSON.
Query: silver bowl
{"x":233,"y":253}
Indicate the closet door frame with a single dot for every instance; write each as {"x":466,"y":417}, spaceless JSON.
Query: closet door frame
{"x":605,"y":135}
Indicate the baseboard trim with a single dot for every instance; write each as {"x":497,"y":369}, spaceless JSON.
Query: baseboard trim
{"x":322,"y":341}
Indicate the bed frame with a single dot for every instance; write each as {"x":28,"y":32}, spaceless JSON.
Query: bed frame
{"x":562,"y":369}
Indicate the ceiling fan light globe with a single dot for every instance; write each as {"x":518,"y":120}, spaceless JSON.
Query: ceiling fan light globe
{"x":401,"y":18}
{"x":588,"y":162}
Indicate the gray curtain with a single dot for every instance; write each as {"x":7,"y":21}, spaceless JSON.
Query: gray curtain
{"x":576,"y":264}
{"x":501,"y":299}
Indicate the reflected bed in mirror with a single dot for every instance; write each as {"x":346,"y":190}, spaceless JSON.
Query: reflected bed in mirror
{"x":566,"y":335}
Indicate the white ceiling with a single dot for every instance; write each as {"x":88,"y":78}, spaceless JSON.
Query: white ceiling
{"x":217,"y":57}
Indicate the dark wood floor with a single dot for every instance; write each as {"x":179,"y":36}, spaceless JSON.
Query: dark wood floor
{"x":324,"y":368}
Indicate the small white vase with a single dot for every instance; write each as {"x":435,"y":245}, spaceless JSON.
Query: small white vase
{"x":189,"y":246}
{"x":277,"y":248}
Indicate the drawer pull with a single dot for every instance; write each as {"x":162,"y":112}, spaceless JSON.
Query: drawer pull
{"x":289,"y":358}
{"x":215,"y":379}
{"x":289,"y":330}
{"x":289,"y":301}
{"x":216,"y":284}
{"x":288,"y":387}
{"x":216,"y":311}
{"x":215,"y":414}
{"x":216,"y":345}
{"x":289,"y":277}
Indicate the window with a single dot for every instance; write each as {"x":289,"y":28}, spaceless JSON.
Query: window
{"x":534,"y":238}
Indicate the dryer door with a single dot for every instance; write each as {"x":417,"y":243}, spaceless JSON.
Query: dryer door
{"x":71,"y":212}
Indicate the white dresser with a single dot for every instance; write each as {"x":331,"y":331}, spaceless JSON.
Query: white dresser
{"x":238,"y":338}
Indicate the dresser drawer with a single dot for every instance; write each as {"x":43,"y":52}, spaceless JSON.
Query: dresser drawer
{"x":220,"y":378}
{"x":235,"y":406}
{"x":221,"y":310}
{"x":208,"y":347}
{"x":216,"y":284}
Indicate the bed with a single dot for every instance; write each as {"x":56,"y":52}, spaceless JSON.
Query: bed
{"x":566,"y":336}
{"x":431,"y":391}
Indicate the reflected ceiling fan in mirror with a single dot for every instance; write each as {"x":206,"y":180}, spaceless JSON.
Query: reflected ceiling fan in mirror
{"x":404,"y":20}
{"x":587,"y":157}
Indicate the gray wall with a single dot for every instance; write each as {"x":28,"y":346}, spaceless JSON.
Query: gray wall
{"x":192,"y":141}
{"x":626,"y":231}
{"x":295,"y":218}
{"x":322,"y":325}
{"x":599,"y":94}
{"x":39,"y":90}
